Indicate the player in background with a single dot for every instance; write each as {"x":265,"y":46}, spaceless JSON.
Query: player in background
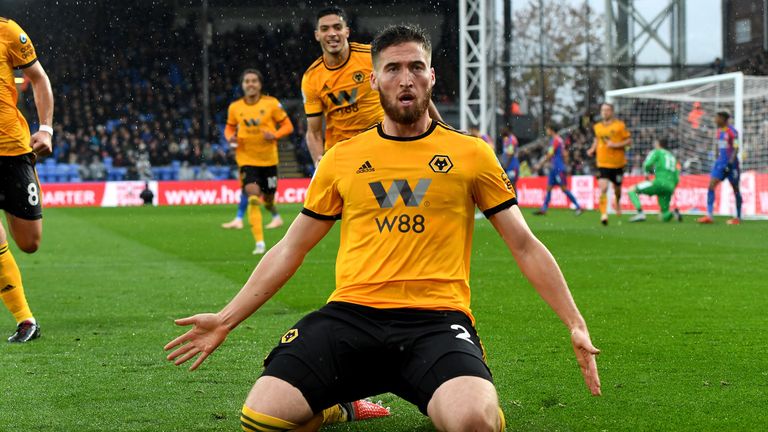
{"x":662,"y":164}
{"x":254,"y":124}
{"x":474,"y":130}
{"x":336,"y":87}
{"x":20,"y":194}
{"x":611,"y":141}
{"x":726,"y":166}
{"x":404,"y":326}
{"x":509,"y":158}
{"x":557,"y":155}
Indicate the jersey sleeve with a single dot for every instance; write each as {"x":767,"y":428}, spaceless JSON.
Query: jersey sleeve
{"x":734,"y":138}
{"x":649,"y":162}
{"x":491,"y":188}
{"x":21,"y":52}
{"x":624,"y":132}
{"x":231,"y":117}
{"x":313,"y":105}
{"x":278,"y":113}
{"x":323,"y":200}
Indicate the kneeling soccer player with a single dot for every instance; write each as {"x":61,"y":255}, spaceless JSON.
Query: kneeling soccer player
{"x":401,"y":304}
{"x":662,"y":163}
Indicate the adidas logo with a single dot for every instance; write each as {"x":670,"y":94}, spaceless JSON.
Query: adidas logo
{"x":366,"y":168}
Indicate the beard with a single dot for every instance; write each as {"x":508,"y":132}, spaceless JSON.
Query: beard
{"x":406,"y":115}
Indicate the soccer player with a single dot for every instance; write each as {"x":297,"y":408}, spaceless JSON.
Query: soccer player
{"x":558,"y":171}
{"x":403,"y":325}
{"x":611,"y":141}
{"x":336,"y":86}
{"x":254,"y":124}
{"x":510,"y":161}
{"x":726,"y":166}
{"x":662,"y":164}
{"x":20,"y":194}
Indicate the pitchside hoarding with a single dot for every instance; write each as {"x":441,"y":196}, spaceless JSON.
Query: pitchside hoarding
{"x":690,"y":196}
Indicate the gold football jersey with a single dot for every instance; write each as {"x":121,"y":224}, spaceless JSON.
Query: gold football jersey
{"x":343,"y":94}
{"x":407,"y":214}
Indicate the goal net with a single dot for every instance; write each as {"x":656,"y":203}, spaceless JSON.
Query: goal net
{"x":683,"y":112}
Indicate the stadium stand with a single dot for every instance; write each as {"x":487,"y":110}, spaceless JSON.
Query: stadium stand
{"x":129,"y":106}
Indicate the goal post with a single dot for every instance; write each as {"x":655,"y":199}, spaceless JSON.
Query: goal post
{"x":683,"y":112}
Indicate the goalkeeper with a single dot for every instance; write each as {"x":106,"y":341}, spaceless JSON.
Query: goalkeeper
{"x":662,"y":163}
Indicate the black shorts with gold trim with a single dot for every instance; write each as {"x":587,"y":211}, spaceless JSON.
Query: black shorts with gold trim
{"x":344,"y":352}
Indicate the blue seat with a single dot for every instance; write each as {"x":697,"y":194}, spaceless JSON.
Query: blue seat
{"x":116,"y":173}
{"x":157,"y":173}
{"x":62,"y":173}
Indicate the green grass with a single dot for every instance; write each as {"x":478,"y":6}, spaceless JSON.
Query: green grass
{"x":679,"y":310}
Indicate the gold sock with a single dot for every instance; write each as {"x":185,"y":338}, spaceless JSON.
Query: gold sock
{"x":603,"y":204}
{"x":254,"y":218}
{"x":250,"y":420}
{"x":11,"y":289}
{"x":335,"y":414}
{"x":502,"y":420}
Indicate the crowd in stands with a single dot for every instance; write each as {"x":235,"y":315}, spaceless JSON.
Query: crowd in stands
{"x":128,"y":98}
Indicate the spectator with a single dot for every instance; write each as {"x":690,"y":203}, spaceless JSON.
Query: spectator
{"x":204,"y":174}
{"x":186,"y":172}
{"x":96,"y":169}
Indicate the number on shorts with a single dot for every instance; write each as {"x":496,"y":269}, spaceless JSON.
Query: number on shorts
{"x":34,"y":195}
{"x":464,"y":333}
{"x":272,"y":182}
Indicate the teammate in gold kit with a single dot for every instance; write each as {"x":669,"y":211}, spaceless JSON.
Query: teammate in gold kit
{"x":20,"y":194}
{"x":336,"y":86}
{"x":611,"y":141}
{"x":254,"y":124}
{"x":405,"y":191}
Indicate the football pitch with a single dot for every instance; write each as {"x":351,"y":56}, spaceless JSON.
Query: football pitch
{"x":680,"y":312}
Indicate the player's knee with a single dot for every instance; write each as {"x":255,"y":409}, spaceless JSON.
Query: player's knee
{"x":477,"y":419}
{"x":29,"y":244}
{"x":252,"y":189}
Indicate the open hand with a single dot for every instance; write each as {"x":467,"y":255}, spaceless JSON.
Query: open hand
{"x":585,"y":355}
{"x":269,"y":136}
{"x":207,"y":333}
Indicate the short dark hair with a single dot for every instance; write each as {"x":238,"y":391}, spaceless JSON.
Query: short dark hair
{"x":399,"y":34}
{"x":332,"y":10}
{"x":252,"y":71}
{"x":663,"y":143}
{"x":725,"y":115}
{"x":550,"y":126}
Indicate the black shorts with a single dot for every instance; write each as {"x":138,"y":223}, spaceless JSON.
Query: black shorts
{"x":20,"y":193}
{"x":614,"y":175}
{"x":265,"y":177}
{"x":344,"y":352}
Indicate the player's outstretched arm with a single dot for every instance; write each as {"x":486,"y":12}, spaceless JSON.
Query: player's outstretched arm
{"x":275,"y":269}
{"x":41,"y":87}
{"x":539,"y":266}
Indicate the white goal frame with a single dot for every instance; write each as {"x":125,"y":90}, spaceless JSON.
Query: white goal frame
{"x":738,"y":96}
